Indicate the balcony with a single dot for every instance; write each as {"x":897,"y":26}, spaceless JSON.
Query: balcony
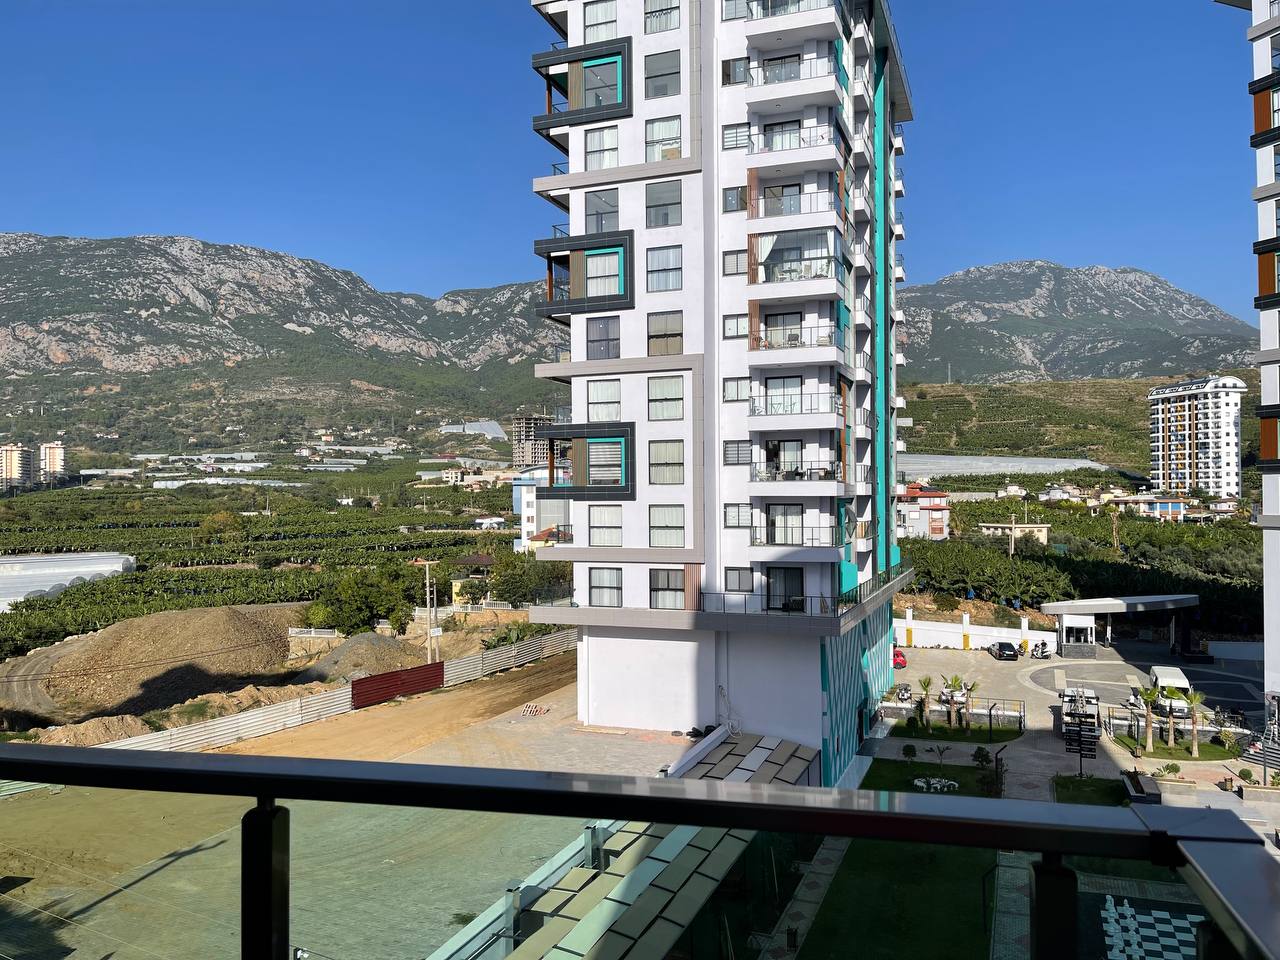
{"x":796,"y":150}
{"x":780,"y":535}
{"x":899,"y":269}
{"x":899,"y":228}
{"x":796,"y":411}
{"x":791,"y":345}
{"x":782,"y":24}
{"x":899,"y":143}
{"x":899,"y":185}
{"x":815,"y":203}
{"x":819,"y":477}
{"x":793,"y":83}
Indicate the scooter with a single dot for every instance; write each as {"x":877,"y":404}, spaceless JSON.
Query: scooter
{"x":1041,"y":652}
{"x":904,"y":693}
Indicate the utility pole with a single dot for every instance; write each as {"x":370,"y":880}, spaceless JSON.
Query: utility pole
{"x":1013,"y":526}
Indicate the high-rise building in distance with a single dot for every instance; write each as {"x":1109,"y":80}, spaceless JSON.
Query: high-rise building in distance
{"x":729,"y":182}
{"x":53,"y":462}
{"x":527,"y":448}
{"x":1195,"y":436}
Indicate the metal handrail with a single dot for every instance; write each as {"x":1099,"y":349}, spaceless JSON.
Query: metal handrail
{"x":560,"y":168}
{"x":792,"y":404}
{"x":797,"y":471}
{"x":807,"y":335}
{"x":805,"y":268}
{"x":559,"y":230}
{"x":763,"y":9}
{"x":813,"y":201}
{"x":776,"y":604}
{"x":793,"y":139}
{"x":829,"y":535}
{"x":807,"y":68}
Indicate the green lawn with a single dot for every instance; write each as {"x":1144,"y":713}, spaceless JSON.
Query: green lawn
{"x":940,"y":731}
{"x":897,"y":775}
{"x":1181,"y":751}
{"x":897,"y":900}
{"x":1098,"y":791}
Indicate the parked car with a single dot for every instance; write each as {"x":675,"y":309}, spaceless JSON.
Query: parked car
{"x":1003,"y":650}
{"x":899,"y":659}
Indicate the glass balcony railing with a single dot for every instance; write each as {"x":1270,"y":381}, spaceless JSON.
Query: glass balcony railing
{"x":793,"y":139}
{"x":795,"y":404}
{"x":791,"y":69}
{"x":783,"y":535}
{"x":808,"y":268}
{"x":763,"y":9}
{"x":560,"y":168}
{"x":791,"y":205}
{"x":790,"y":337}
{"x":797,"y":470}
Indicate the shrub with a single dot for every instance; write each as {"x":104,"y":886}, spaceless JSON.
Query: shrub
{"x":982,"y":757}
{"x":946,"y":603}
{"x":913,"y":725}
{"x":908,"y":752}
{"x":1246,"y":775}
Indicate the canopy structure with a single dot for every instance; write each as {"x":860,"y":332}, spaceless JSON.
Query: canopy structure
{"x":1168,"y":601}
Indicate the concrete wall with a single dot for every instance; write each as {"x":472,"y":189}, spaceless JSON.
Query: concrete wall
{"x":648,"y":680}
{"x":773,"y":686}
{"x":933,"y":634}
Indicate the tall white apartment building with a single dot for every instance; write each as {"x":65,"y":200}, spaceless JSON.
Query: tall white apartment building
{"x":1263,"y":34}
{"x":53,"y":462}
{"x":729,"y":180}
{"x":17,"y":466}
{"x":1195,"y":436}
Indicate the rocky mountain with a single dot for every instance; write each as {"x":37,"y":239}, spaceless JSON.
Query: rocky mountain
{"x":144,"y":304}
{"x":1036,"y":320}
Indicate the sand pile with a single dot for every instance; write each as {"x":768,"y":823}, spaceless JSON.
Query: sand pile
{"x":93,"y":732}
{"x":364,"y":654}
{"x":165,"y":658}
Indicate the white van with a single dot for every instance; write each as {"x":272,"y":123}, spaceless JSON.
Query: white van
{"x":1166,"y":678}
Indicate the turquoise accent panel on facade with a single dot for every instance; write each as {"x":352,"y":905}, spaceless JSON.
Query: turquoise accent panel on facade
{"x":622,"y":445}
{"x":842,"y":315}
{"x":884,"y":504}
{"x":857,"y":670}
{"x":845,"y":510}
{"x":622,"y":265}
{"x":617,"y":62}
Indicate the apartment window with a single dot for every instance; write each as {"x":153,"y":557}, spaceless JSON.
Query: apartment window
{"x":604,"y":401}
{"x":666,"y":525}
{"x":666,"y":589}
{"x":602,"y":338}
{"x":737,"y":516}
{"x":737,"y":389}
{"x":1275,"y":107}
{"x":600,"y":20}
{"x":735,"y":263}
{"x":661,"y":15}
{"x":666,"y":461}
{"x":602,"y":148}
{"x":735,"y":9}
{"x":662,"y":139}
{"x":1275,"y":52}
{"x":665,"y":271}
{"x":733,"y":71}
{"x":738,"y":580}
{"x":602,"y":82}
{"x":666,"y":334}
{"x":735,"y":136}
{"x":604,"y":274}
{"x":606,"y":586}
{"x":737,"y":453}
{"x":604,"y":463}
{"x":666,"y":398}
{"x":602,"y":211}
{"x":736,"y":326}
{"x":662,"y":204}
{"x":735,"y":199}
{"x":605,"y":524}
{"x":662,"y":75}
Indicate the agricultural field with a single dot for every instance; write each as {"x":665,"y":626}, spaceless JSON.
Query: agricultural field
{"x":1102,"y":420}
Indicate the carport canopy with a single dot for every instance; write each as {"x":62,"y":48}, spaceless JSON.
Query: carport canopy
{"x":1101,"y":605}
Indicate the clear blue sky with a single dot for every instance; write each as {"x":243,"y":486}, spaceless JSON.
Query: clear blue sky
{"x":393,"y":137}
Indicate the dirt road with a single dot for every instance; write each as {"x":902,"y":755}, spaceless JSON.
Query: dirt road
{"x":22,"y":693}
{"x":390,"y":731}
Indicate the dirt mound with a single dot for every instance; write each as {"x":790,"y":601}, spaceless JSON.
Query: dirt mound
{"x":165,"y":658}
{"x":365,"y":653}
{"x":213,"y":705}
{"x":93,"y":732}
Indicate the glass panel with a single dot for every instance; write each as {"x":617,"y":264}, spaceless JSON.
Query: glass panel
{"x":662,"y":74}
{"x":602,"y":211}
{"x":600,"y":84}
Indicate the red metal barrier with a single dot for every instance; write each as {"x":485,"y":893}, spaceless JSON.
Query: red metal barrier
{"x":381,"y":687}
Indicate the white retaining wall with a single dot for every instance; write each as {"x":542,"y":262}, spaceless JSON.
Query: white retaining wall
{"x":935,"y":634}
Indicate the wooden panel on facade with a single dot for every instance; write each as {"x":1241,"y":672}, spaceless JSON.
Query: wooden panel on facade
{"x":692,"y":586}
{"x":576,"y":86}
{"x":577,"y":274}
{"x":1269,"y":448}
{"x":1262,"y":111}
{"x":753,"y":324}
{"x":1266,"y":274}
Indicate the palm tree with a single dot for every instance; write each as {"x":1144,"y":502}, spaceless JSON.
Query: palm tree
{"x":1194,"y":699}
{"x":968,"y":701}
{"x":1170,"y":696}
{"x":1149,"y":697}
{"x":926,"y":682}
{"x":952,"y":685}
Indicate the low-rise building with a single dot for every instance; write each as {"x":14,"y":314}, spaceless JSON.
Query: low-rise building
{"x":1040,"y":531}
{"x":1011,"y":490}
{"x":1164,"y":509}
{"x":924,"y":511}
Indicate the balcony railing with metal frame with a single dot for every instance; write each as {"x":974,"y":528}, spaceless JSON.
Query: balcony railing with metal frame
{"x":794,"y":204}
{"x":764,"y":9}
{"x":788,"y":70}
{"x":805,"y":268}
{"x":795,"y":139}
{"x":796,"y":404}
{"x":793,"y":337}
{"x":783,"y":535}
{"x":797,"y":471}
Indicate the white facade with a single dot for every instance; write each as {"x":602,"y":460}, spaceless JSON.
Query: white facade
{"x":1195,"y":436}
{"x":727,"y":277}
{"x":53,"y":462}
{"x":1264,"y":35}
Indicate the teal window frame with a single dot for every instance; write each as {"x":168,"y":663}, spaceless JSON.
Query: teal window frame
{"x":622,"y":266}
{"x":622,"y":463}
{"x":617,"y":63}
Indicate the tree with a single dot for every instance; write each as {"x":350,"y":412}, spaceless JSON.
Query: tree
{"x":926,"y":683}
{"x":952,"y":686}
{"x":1194,"y":699}
{"x":221,"y":525}
{"x":969,"y":688}
{"x":909,"y":752}
{"x":938,"y":751}
{"x":1149,"y":697}
{"x":982,"y":757}
{"x":1170,"y":695}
